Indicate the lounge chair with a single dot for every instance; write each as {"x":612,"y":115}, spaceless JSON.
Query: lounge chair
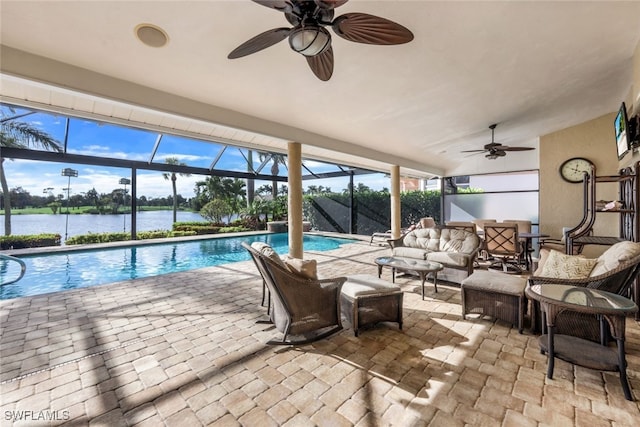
{"x":615,"y":271}
{"x":302,"y":309}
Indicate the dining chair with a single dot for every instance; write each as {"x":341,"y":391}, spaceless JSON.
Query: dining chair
{"x":462,"y":225}
{"x":524,"y":226}
{"x":502,"y":244}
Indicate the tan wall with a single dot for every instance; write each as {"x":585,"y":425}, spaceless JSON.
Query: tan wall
{"x":561,"y":203}
{"x":633,"y":105}
{"x":636,"y":79}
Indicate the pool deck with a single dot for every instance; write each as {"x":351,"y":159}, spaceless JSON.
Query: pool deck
{"x":184,"y":349}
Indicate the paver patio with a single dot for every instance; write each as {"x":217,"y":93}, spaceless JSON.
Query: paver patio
{"x":185,"y":350}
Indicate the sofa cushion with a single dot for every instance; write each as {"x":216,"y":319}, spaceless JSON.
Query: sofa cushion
{"x":614,"y":256}
{"x":406,"y":252}
{"x":453,"y":259}
{"x":454,"y":240}
{"x":562,"y":266}
{"x":423,"y":238}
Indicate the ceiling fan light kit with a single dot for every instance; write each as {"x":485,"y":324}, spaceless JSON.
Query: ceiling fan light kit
{"x":309,"y":37}
{"x":310,"y":40}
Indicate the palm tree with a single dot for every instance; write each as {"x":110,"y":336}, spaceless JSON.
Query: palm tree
{"x":173,"y":177}
{"x":20,"y":135}
{"x":277,"y":159}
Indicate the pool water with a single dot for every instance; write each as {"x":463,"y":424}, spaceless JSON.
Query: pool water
{"x":79,"y":269}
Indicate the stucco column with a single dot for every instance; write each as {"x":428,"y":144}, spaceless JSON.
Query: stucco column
{"x":294,"y":163}
{"x":395,"y":201}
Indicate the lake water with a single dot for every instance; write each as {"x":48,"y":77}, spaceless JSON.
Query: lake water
{"x":85,"y":224}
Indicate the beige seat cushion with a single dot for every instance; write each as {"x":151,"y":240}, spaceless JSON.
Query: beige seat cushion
{"x":406,"y":252}
{"x":359,"y":285}
{"x":495,"y":281}
{"x":449,"y":258}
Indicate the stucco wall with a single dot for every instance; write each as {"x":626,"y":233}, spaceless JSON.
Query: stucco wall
{"x":636,"y":78}
{"x":561,"y":203}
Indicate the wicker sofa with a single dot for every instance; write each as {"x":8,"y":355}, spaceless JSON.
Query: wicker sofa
{"x":455,"y":249}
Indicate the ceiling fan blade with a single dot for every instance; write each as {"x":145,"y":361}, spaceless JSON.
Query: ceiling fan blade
{"x":330,"y":4}
{"x":281,"y":5}
{"x":365,"y":28}
{"x":259,"y":42}
{"x":472,"y":151}
{"x":322,"y":64}
{"x":505,"y":148}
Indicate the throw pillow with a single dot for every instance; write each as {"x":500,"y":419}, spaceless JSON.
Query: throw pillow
{"x":561,"y":266}
{"x":305,"y":268}
{"x":544,"y":254}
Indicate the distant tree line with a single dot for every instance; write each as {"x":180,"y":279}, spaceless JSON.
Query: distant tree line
{"x":110,"y":202}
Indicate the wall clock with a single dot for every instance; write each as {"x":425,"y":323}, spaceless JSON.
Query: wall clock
{"x":572,"y":170}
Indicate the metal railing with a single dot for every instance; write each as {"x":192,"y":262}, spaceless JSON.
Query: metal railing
{"x":23,"y":268}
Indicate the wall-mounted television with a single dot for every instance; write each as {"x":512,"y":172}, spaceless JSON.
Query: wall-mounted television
{"x":621,"y":126}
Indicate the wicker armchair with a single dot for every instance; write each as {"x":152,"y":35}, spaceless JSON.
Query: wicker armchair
{"x":306,"y":309}
{"x":618,"y":280}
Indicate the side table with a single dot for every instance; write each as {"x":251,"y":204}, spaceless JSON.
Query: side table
{"x":612,"y":308}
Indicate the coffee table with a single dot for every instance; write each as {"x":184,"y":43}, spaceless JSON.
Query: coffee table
{"x":409,"y":265}
{"x":612,"y":309}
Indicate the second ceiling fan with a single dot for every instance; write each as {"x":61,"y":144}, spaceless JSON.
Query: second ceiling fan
{"x":495,"y":149}
{"x":310,"y":38}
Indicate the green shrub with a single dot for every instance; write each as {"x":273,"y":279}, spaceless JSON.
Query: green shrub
{"x":83,"y":239}
{"x":29,"y":241}
{"x":233,"y":229}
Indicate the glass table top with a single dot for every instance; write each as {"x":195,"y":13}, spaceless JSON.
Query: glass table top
{"x":583,"y":297}
{"x":408,"y":263}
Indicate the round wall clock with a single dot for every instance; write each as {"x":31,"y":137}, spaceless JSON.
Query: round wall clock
{"x":572,"y":170}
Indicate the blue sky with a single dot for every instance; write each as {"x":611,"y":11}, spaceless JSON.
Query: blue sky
{"x":92,"y":138}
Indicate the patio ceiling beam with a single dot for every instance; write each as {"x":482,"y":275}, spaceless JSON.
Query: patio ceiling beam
{"x":338,"y":174}
{"x":48,"y":156}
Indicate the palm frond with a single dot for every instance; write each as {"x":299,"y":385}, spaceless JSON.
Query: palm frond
{"x":24,"y":135}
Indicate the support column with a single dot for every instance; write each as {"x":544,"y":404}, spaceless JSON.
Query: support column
{"x":395,"y":202}
{"x":294,"y":163}
{"x":134,"y":203}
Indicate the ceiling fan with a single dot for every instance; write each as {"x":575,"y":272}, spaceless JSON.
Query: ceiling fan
{"x":495,"y":149}
{"x":310,"y":38}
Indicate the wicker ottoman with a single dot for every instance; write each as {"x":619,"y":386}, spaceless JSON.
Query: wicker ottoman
{"x":495,"y":294}
{"x":365,"y":300}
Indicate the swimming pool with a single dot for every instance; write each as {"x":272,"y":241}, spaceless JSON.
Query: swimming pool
{"x":78,"y":269}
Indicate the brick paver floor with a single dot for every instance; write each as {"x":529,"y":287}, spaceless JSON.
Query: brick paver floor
{"x":185,"y":349}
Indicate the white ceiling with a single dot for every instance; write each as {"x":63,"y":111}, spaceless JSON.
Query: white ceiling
{"x":533,"y":67}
